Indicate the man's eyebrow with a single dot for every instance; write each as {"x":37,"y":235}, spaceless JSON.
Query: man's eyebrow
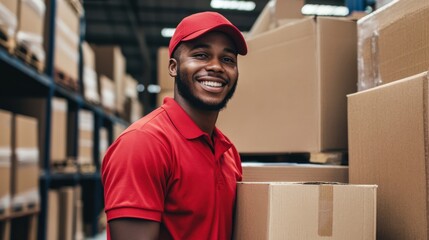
{"x":203,"y":45}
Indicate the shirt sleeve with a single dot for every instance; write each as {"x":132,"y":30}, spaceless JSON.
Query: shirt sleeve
{"x":134,"y":175}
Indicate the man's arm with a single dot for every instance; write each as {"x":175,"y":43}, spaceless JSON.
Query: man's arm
{"x":133,"y":229}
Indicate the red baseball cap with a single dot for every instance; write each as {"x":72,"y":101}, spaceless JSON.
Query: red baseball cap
{"x":197,"y":24}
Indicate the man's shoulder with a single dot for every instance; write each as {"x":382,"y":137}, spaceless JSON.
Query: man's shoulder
{"x":156,"y":122}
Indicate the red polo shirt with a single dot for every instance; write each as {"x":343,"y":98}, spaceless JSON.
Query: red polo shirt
{"x":165,"y":168}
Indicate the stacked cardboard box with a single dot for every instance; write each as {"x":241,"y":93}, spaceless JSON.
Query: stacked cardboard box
{"x":8,"y":19}
{"x":85,"y":141}
{"x":110,"y":65}
{"x":25,"y":177}
{"x":58,"y":130}
{"x":393,"y":43}
{"x":66,"y":47}
{"x":90,"y":80}
{"x":133,"y":109}
{"x":389,"y":141}
{"x":5,"y":161}
{"x":165,"y":81}
{"x":305,"y":211}
{"x":30,"y":37}
{"x":104,"y":143}
{"x":292,"y":88}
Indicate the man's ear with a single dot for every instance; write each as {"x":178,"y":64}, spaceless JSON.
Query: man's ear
{"x":172,"y":67}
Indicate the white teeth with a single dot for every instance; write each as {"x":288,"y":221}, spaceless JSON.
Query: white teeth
{"x":212,"y":84}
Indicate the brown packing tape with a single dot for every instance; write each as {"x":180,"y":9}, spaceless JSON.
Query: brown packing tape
{"x":326,"y":206}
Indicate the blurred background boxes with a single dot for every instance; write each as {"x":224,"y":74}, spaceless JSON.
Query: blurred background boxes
{"x":90,"y":78}
{"x":388,"y":137}
{"x":8,"y":23}
{"x":5,"y":161}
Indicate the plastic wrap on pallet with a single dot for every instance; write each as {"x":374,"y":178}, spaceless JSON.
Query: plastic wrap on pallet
{"x":31,"y":40}
{"x":8,"y":21}
{"x":376,"y":54}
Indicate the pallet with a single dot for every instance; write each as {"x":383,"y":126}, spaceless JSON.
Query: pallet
{"x":7,"y":42}
{"x":64,"y":80}
{"x":67,"y":166}
{"x":23,"y":53}
{"x":24,"y":208}
{"x":331,"y":158}
{"x":87,"y":168}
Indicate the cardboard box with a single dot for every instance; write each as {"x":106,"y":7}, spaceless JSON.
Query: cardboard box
{"x":107,"y":92}
{"x":393,"y":43}
{"x":59,"y":130}
{"x":291,"y":95}
{"x":388,"y":146}
{"x":25,"y":181}
{"x":31,"y":17}
{"x":5,"y":160}
{"x":67,"y":213}
{"x":53,"y":215}
{"x":290,"y":172}
{"x":86,"y":137}
{"x":165,"y":81}
{"x":288,"y":9}
{"x":104,"y":143}
{"x":305,"y":211}
{"x":90,"y":80}
{"x":111,"y":63}
{"x":67,"y":32}
{"x":8,"y":17}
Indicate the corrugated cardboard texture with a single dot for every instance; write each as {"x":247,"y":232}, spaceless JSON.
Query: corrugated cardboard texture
{"x":393,"y":43}
{"x":288,"y":172}
{"x":305,"y":211}
{"x":388,"y":136}
{"x":291,"y":95}
{"x":165,"y":81}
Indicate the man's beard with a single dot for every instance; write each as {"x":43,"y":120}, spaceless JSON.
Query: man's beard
{"x":185,"y":92}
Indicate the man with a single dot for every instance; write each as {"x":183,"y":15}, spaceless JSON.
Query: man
{"x":172,"y":174}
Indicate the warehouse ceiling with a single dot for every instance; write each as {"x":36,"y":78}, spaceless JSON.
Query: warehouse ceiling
{"x":136,"y":26}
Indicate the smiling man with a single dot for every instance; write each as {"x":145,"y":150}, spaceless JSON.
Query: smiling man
{"x":172,"y":174}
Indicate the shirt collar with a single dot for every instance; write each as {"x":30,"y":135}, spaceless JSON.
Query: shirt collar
{"x":181,"y":120}
{"x":186,"y":126}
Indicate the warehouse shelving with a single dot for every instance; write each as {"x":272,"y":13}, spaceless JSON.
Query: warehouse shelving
{"x":19,"y":80}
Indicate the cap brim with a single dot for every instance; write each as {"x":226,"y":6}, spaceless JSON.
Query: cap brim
{"x":230,"y":30}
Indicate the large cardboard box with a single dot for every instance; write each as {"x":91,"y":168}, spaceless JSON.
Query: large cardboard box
{"x":393,"y":43}
{"x":8,"y":17}
{"x":388,"y":146}
{"x":25,"y":181}
{"x":291,"y":95}
{"x":165,"y":81}
{"x":275,"y":210}
{"x":110,"y":62}
{"x":31,"y":17}
{"x":5,"y":160}
{"x":67,"y":199}
{"x":292,"y":172}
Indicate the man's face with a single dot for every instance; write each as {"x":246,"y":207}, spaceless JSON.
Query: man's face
{"x":206,"y":71}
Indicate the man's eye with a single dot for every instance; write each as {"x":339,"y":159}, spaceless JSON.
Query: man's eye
{"x":200,"y":55}
{"x":228,"y":60}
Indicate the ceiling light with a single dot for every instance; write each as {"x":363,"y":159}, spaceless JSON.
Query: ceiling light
{"x":324,"y":10}
{"x":167,"y":32}
{"x":152,"y":88}
{"x":233,"y":5}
